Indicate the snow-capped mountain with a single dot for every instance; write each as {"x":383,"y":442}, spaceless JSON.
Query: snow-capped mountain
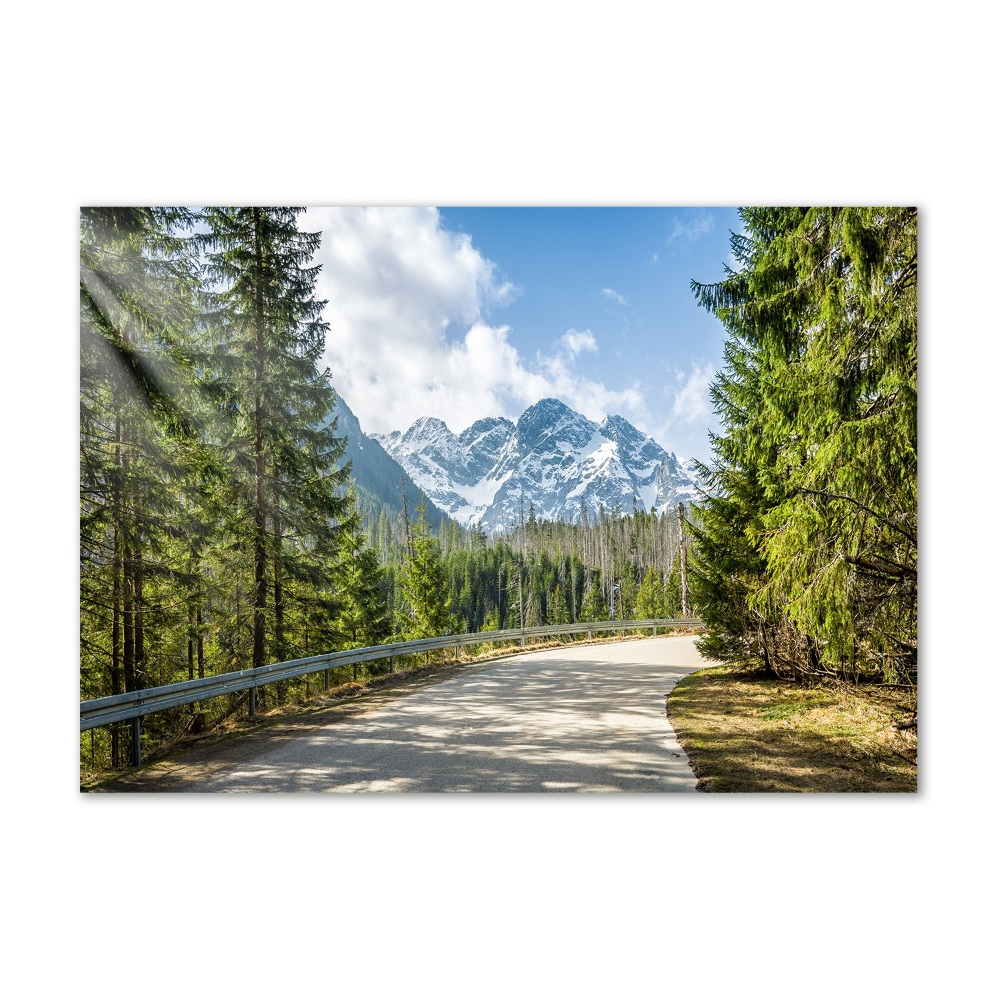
{"x":553,"y":458}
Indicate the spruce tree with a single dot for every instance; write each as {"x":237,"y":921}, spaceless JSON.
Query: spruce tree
{"x":363,"y":616}
{"x":532,"y":609}
{"x":286,"y":490}
{"x":558,"y":609}
{"x":651,"y":598}
{"x":137,"y":433}
{"x":815,"y":472}
{"x":594,"y":607}
{"x":424,"y":583}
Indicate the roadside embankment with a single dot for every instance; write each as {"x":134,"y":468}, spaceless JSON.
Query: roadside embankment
{"x":747,"y":733}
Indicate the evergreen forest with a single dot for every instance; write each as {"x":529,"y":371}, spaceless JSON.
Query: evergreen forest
{"x":220,"y":528}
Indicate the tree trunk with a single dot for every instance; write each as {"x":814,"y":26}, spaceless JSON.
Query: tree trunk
{"x":279,"y":608}
{"x":191,"y":641}
{"x":201,"y":639}
{"x":260,"y":513}
{"x":685,"y":600}
{"x":116,"y":586}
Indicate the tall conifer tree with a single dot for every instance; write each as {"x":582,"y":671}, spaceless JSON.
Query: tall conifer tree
{"x":817,"y":464}
{"x":281,"y":446}
{"x":424,"y":582}
{"x":137,"y":289}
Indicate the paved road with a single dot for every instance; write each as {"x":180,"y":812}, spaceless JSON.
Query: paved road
{"x":582,"y":719}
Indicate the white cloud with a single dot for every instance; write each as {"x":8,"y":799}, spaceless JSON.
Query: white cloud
{"x":408,"y":337}
{"x":612,"y":295}
{"x":576,"y":341}
{"x":692,"y":404}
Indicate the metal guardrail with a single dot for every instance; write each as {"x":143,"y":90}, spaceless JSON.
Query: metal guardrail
{"x":136,"y":704}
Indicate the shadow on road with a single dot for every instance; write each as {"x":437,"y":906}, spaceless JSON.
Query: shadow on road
{"x":553,"y":721}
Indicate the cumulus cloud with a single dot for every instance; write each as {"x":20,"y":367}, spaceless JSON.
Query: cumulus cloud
{"x":411,"y":335}
{"x":408,"y":307}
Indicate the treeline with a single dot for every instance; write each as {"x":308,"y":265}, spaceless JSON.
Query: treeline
{"x":546,"y":572}
{"x":219,"y":528}
{"x":807,"y":551}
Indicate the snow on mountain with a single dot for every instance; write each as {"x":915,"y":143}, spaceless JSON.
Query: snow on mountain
{"x":553,"y":459}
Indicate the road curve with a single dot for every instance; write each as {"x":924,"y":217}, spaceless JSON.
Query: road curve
{"x":575,"y":719}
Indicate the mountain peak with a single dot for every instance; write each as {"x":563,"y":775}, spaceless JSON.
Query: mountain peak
{"x":550,"y":417}
{"x":424,"y":425}
{"x":553,"y":458}
{"x":617,"y":420}
{"x":549,"y":406}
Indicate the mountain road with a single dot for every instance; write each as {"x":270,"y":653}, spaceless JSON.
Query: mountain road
{"x":587,"y":718}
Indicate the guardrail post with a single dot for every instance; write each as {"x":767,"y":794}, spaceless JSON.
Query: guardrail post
{"x":326,"y":679}
{"x":654,"y":631}
{"x":253,"y":702}
{"x":136,"y":741}
{"x":392,"y":660}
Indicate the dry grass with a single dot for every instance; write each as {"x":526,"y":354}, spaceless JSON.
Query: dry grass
{"x":745,"y":733}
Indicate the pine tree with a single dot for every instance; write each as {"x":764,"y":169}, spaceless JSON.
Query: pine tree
{"x":363,"y":616}
{"x":532,"y":610}
{"x":651,"y":599}
{"x":558,"y":609}
{"x":287,"y":492}
{"x":594,"y":607}
{"x":424,"y":583}
{"x":816,"y":469}
{"x":137,"y":288}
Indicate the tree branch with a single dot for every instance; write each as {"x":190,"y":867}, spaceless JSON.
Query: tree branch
{"x":857,"y":503}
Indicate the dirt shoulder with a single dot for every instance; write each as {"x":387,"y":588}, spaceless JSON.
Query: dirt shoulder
{"x":746,"y":733}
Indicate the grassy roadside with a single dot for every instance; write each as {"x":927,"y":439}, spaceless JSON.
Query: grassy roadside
{"x":747,"y":733}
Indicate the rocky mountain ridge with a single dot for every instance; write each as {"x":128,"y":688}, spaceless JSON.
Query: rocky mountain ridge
{"x":552,"y":459}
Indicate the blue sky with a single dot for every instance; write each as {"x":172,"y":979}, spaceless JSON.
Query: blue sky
{"x":462,"y":313}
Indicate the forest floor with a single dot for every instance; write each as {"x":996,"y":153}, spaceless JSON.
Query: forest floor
{"x":746,"y":733}
{"x":342,"y":701}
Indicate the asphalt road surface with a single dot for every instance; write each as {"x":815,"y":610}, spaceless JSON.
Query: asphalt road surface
{"x":577,"y":719}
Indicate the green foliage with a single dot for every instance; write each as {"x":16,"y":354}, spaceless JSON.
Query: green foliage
{"x":141,"y":464}
{"x":558,"y":609}
{"x":266,"y":339}
{"x":594,"y":607}
{"x":215,"y":526}
{"x":363,"y":617}
{"x":651,"y":601}
{"x":424,"y":584}
{"x":808,"y":551}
